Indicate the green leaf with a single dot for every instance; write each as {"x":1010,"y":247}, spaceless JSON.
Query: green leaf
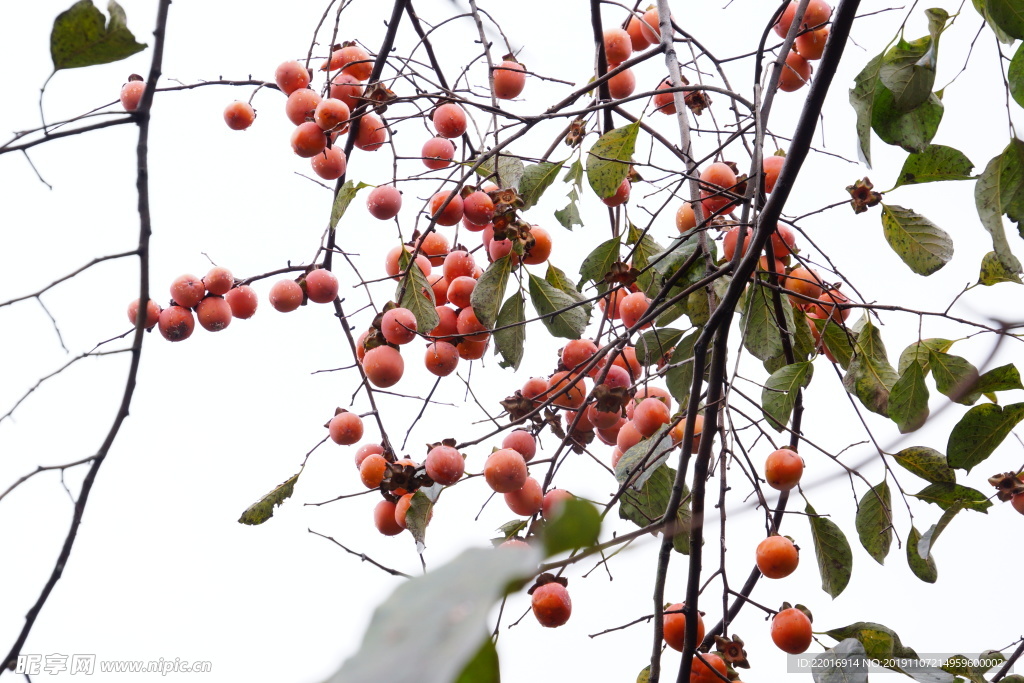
{"x":947,"y":496}
{"x":598,"y":263}
{"x":993,"y":271}
{"x":417,"y":518}
{"x":483,"y":667}
{"x":845,"y":663}
{"x":1015,"y":74}
{"x":558,"y":279}
{"x":775,"y":363}
{"x":803,"y":340}
{"x":954,"y":377}
{"x":511,"y":341}
{"x":884,"y":647}
{"x":479,"y":576}
{"x":490,"y":289}
{"x":1001,"y":35}
{"x":1000,"y":190}
{"x":923,"y":246}
{"x":920,"y":351}
{"x":344,"y":197}
{"x":926,"y":463}
{"x":840,"y":341}
{"x":547,"y":299}
{"x":679,"y":377}
{"x":648,"y":505}
{"x":979,"y":432}
{"x":79,"y":37}
{"x":511,"y":529}
{"x":761,"y":335}
{"x":416,"y":294}
{"x":651,"y":452}
{"x":577,"y":525}
{"x":923,"y":568}
{"x":644,"y":250}
{"x":672,"y":258}
{"x":1011,"y":181}
{"x":510,"y":170}
{"x":908,"y":402}
{"x":698,"y":307}
{"x":536,"y":179}
{"x":609,"y":158}
{"x":870,"y":377}
{"x":835,"y":558}
{"x":862,"y":99}
{"x":263,"y":509}
{"x":779,"y":394}
{"x":908,"y":71}
{"x":672,"y":313}
{"x":570,"y":215}
{"x":936,"y":163}
{"x":575,"y":174}
{"x":653,"y":345}
{"x":1003,"y":378}
{"x":974,"y":667}
{"x":913,"y":130}
{"x":874,"y":521}
{"x":1008,"y":15}
{"x":927,"y":542}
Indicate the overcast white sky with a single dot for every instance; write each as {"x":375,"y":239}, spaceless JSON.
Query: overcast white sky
{"x":161,"y":568}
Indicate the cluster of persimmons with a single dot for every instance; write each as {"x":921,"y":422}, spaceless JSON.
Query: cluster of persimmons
{"x":600,"y":394}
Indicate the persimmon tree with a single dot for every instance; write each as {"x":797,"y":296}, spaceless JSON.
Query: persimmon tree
{"x":696,"y":316}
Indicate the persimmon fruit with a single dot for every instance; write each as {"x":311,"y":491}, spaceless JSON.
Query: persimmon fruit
{"x":783,"y":469}
{"x":301,"y":105}
{"x":291,"y":76}
{"x":152,"y":313}
{"x":554,"y":501}
{"x":450,"y":120}
{"x":509,"y":81}
{"x":187,"y":290}
{"x":777,"y":557}
{"x":791,"y":631}
{"x":551,"y":605}
{"x":383,"y":366}
{"x":239,"y":115}
{"x":451,"y":213}
{"x":243,"y":301}
{"x":505,"y":471}
{"x":213,"y":313}
{"x":795,"y":73}
{"x":704,"y":670}
{"x":527,"y":500}
{"x":218,"y":281}
{"x":131,"y":94}
{"x":399,"y":326}
{"x":438,"y":153}
{"x":772,"y":166}
{"x":176,"y":323}
{"x":444,"y":465}
{"x":384,"y":518}
{"x":618,"y":47}
{"x":673,"y":627}
{"x":345,"y":428}
{"x":372,"y":133}
{"x":285,"y":295}
{"x":384,"y":202}
{"x":522,"y":442}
